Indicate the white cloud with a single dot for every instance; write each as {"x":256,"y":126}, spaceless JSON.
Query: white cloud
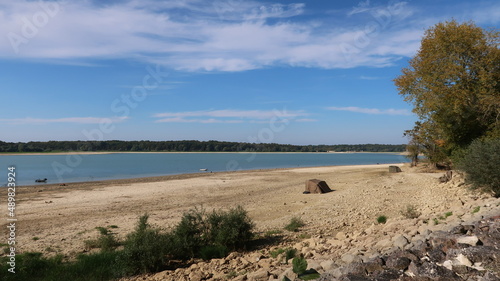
{"x":227,"y":116}
{"x":371,"y":110}
{"x":225,"y":35}
{"x":75,"y":120}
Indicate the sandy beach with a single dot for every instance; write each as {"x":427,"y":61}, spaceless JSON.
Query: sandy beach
{"x":57,"y":219}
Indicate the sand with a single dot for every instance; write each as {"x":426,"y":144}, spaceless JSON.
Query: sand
{"x":57,"y":219}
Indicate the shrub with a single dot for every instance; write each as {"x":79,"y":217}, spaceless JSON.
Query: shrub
{"x":300,"y":268}
{"x":290,"y":254}
{"x":189,"y":234}
{"x":199,"y":230}
{"x":476,"y":209}
{"x":213,"y":252}
{"x":411,"y":212}
{"x":34,"y":267}
{"x":106,"y":242}
{"x":277,"y":252}
{"x":232,"y":229}
{"x":295,"y":224}
{"x":382,"y":219}
{"x":480,"y":162}
{"x":145,"y":250}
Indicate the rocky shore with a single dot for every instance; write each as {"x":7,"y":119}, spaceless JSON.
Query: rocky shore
{"x":461,"y":244}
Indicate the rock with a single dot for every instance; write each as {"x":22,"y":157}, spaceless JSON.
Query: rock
{"x":353,"y":277}
{"x":394,"y":169}
{"x":256,"y":257}
{"x":350,"y":258}
{"x":328,"y":265}
{"x":400,"y":241}
{"x":384,"y":244}
{"x":469,"y":240}
{"x":355,"y":268}
{"x":398,"y":263}
{"x":240,"y":278}
{"x":196,"y":276}
{"x":259,"y":275}
{"x":314,"y":264}
{"x":463,"y":260}
{"x":265,"y":263}
{"x":340,"y":235}
{"x":431,"y":270}
{"x":374,"y":265}
{"x":288,"y":273}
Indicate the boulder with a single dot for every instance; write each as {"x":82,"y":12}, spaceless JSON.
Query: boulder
{"x":394,"y":169}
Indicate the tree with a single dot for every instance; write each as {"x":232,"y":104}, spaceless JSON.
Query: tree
{"x":454,"y":84}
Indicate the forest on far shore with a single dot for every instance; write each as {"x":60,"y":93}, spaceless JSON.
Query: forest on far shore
{"x":188,"y":146}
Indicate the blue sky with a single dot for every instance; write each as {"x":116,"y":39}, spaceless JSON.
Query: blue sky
{"x":310,"y":72}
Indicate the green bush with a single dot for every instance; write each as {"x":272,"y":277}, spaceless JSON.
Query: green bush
{"x":411,"y":212}
{"x":232,"y":229}
{"x":290,"y":254}
{"x":480,"y":162}
{"x":106,"y":242}
{"x":189,"y":234}
{"x":35,"y":267}
{"x":213,"y":252}
{"x":295,"y":224}
{"x":382,"y":219}
{"x":145,"y":250}
{"x":198,"y":230}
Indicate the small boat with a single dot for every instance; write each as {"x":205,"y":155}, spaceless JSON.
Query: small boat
{"x":203,"y":170}
{"x":41,"y":180}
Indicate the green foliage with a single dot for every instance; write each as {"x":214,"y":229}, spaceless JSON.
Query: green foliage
{"x":230,"y":229}
{"x":35,"y":267}
{"x":448,"y":214}
{"x":213,"y":252}
{"x":290,"y":254}
{"x":300,"y":268}
{"x":145,"y":250}
{"x":277,"y":252}
{"x":295,"y":224}
{"x":481,"y":162}
{"x":452,"y":83}
{"x":106,"y":241}
{"x":271,"y":233}
{"x":436,"y":221}
{"x":411,"y":212}
{"x":476,"y":209}
{"x":299,"y":265}
{"x":188,"y":145}
{"x":382,"y":219}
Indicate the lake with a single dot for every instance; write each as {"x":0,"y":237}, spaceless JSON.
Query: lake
{"x":92,"y":167}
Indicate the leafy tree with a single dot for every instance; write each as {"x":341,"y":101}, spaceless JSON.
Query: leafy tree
{"x":454,"y":84}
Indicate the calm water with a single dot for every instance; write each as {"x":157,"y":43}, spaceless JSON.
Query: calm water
{"x":75,"y":168}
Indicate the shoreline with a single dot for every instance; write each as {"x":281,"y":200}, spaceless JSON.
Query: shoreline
{"x":150,"y":179}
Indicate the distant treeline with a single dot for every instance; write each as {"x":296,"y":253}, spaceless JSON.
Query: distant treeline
{"x":188,"y":146}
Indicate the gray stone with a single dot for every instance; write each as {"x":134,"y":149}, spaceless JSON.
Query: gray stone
{"x":350,"y":258}
{"x":469,"y":240}
{"x":400,"y":241}
{"x":328,"y":265}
